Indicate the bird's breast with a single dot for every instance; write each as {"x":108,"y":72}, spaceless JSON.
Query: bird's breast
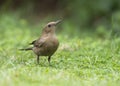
{"x":52,"y":44}
{"x":48,"y":48}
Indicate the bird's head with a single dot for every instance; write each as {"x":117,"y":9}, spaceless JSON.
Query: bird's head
{"x":50,"y":27}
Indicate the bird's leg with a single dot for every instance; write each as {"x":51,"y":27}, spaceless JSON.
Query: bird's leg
{"x":38,"y":59}
{"x":49,"y":59}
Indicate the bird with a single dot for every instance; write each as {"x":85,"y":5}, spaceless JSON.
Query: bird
{"x":47,"y":43}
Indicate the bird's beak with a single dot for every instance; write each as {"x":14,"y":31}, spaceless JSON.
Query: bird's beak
{"x":57,"y":22}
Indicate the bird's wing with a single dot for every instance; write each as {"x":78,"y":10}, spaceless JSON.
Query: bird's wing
{"x":32,"y":43}
{"x":39,"y":43}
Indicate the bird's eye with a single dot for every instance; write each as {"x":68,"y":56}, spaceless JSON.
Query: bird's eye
{"x":49,"y":25}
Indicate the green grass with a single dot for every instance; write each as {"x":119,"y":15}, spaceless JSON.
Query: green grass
{"x":82,"y":60}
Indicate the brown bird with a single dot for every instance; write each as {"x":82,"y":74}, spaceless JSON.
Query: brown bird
{"x":47,"y":44}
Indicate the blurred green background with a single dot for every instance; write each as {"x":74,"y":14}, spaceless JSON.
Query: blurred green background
{"x":102,"y":16}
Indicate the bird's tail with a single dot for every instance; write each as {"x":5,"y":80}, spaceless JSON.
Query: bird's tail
{"x":25,"y":49}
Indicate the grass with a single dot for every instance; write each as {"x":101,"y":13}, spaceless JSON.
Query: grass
{"x":82,"y":60}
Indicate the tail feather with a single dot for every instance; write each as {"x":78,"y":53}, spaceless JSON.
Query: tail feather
{"x":26,"y":49}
